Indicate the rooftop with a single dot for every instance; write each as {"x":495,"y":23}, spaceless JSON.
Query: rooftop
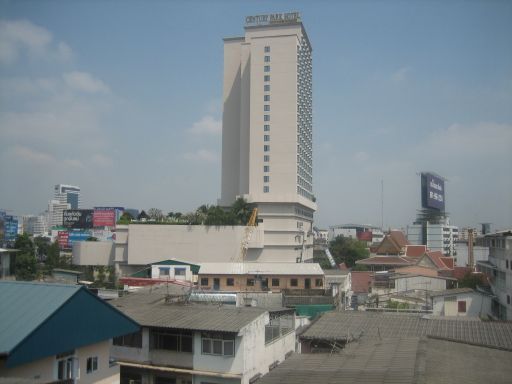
{"x":354,"y":325}
{"x":260,"y":269}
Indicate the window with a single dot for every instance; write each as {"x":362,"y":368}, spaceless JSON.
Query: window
{"x":318,"y":282}
{"x":171,"y":340}
{"x":266,"y":158}
{"x":294,"y":282}
{"x":266,"y":138}
{"x":230,"y":281}
{"x":266,"y":68}
{"x":163,"y":271}
{"x":267,"y":48}
{"x":508,"y":299}
{"x":266,"y":168}
{"x":133,"y":340}
{"x":266,"y":107}
{"x":266,"y":97}
{"x":266,"y":179}
{"x":266,"y":127}
{"x":266,"y":87}
{"x":92,"y":364}
{"x":250,"y":282}
{"x":461,"y":306}
{"x":266,"y":117}
{"x":266,"y":189}
{"x":266,"y":78}
{"x":275,"y":282}
{"x":67,"y":366}
{"x":204,"y":281}
{"x":267,"y":59}
{"x":218,"y":344}
{"x":180,"y":271}
{"x":266,"y":148}
{"x":507,"y":263}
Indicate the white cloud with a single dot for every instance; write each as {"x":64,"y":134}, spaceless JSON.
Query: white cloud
{"x":202,"y":155}
{"x":207,"y":125}
{"x":85,"y":82}
{"x":33,"y":156}
{"x":22,"y":36}
{"x":401,"y":74}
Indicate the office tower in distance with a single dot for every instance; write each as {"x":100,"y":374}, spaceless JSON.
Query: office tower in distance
{"x":267,"y":132}
{"x":68,"y":194}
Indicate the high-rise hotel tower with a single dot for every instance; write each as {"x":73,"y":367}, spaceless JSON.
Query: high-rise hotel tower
{"x":267,"y":132}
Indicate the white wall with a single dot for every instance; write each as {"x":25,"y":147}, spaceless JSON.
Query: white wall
{"x":419,"y":282}
{"x":93,"y":253}
{"x":476,"y":305}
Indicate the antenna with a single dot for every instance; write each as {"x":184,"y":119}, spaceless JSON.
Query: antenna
{"x":382,"y":203}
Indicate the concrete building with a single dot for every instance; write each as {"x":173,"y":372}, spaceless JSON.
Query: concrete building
{"x":275,"y":277}
{"x":55,"y":212}
{"x":439,"y":237}
{"x":67,"y":194}
{"x":57,"y":333}
{"x":198,"y":343}
{"x":498,"y":270}
{"x":35,"y":225}
{"x":267,"y":131}
{"x":363,"y":232}
{"x":464,"y":302}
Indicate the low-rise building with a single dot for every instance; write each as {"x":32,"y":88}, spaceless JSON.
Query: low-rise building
{"x":464,"y":302}
{"x":240,"y":277}
{"x":199,"y":343}
{"x":498,"y":270}
{"x":58,"y":333}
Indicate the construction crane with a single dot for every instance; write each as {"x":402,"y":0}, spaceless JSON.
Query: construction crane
{"x":247,"y":235}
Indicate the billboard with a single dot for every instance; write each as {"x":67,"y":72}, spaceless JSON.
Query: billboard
{"x":104,"y":218}
{"x":10,"y":228}
{"x":365,"y":236}
{"x":77,"y":218}
{"x":432,"y":191}
{"x":63,"y":239}
{"x":75,"y":236}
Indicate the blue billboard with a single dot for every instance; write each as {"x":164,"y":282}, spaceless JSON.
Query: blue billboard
{"x":432,"y":191}
{"x":10,"y":228}
{"x":75,"y":236}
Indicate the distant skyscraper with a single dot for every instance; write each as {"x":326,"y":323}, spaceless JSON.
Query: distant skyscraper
{"x":68,"y":194}
{"x":267,"y":132}
{"x":55,"y":212}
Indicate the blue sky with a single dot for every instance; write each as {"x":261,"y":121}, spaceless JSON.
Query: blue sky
{"x":124,"y":99}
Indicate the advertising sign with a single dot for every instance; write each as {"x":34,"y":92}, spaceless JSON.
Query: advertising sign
{"x":103,"y":234}
{"x":63,"y":239}
{"x":10,"y":228}
{"x":75,"y":236}
{"x":432,"y":191}
{"x":77,"y":218}
{"x":365,"y":236}
{"x":104,"y":218}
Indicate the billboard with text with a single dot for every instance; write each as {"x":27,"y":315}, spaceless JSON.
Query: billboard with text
{"x":432,"y":191}
{"x":104,"y":218}
{"x":77,"y":218}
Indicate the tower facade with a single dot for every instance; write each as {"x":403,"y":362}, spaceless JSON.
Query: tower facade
{"x":68,"y":194}
{"x":267,"y":132}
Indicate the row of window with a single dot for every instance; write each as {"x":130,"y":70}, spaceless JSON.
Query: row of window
{"x":230,"y":282}
{"x":67,"y":366}
{"x":266,"y":118}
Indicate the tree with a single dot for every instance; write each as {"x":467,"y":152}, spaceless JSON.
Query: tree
{"x":126,"y":218}
{"x":53,"y":257}
{"x":471,"y":280}
{"x":143,"y":216}
{"x":26,"y":266}
{"x":242,"y":210}
{"x":155,"y":214}
{"x":24,"y":244}
{"x":347,"y":250}
{"x":41,"y":244}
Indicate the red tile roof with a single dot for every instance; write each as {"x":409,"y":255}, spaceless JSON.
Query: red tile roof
{"x":448,"y":261}
{"x":399,"y":238}
{"x":361,"y":281}
{"x":437,"y":258}
{"x":415,"y":250}
{"x":417,"y":270}
{"x":460,"y":272}
{"x":384,"y":260}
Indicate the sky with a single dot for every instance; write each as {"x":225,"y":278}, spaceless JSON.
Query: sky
{"x":124,"y":99}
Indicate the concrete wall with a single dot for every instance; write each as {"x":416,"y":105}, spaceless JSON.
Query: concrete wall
{"x":476,"y":305}
{"x":240,"y":282}
{"x":45,"y":370}
{"x":420,"y":282}
{"x":155,"y":272}
{"x":93,"y":253}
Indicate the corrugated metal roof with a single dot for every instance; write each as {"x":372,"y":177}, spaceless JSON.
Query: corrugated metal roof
{"x":23,"y":308}
{"x":260,"y":268}
{"x":150,"y":310}
{"x":454,"y":291}
{"x":347,"y":325}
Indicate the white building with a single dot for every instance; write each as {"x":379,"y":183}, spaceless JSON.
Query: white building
{"x":35,"y":225}
{"x":499,"y":271}
{"x":56,"y":211}
{"x":201,"y":343}
{"x":68,"y":194}
{"x":267,"y":132}
{"x":463,"y":302}
{"x":439,"y":237}
{"x":363,"y":232}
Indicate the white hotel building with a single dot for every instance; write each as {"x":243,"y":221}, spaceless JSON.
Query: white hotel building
{"x":267,"y":132}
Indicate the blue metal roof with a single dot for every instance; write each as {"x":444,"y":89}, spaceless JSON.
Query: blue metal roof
{"x":24,"y":306}
{"x":39,"y":320}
